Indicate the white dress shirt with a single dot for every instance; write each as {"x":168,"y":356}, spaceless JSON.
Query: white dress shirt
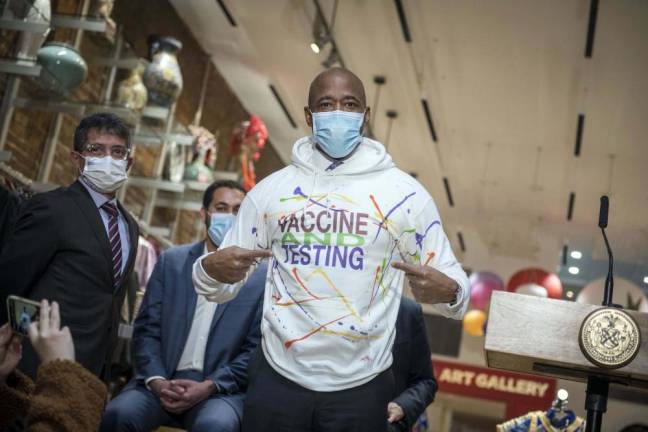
{"x":193,"y":355}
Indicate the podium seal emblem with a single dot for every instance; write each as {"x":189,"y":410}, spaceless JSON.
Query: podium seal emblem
{"x":609,"y":338}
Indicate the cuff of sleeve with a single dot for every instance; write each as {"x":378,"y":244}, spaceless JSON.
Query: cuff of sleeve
{"x":148,"y":380}
{"x":201,"y":274}
{"x":458,"y":295}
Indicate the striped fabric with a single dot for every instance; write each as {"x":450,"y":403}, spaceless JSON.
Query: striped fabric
{"x":115,"y":241}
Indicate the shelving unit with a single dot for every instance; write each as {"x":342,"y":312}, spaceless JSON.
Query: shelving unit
{"x":185,"y":195}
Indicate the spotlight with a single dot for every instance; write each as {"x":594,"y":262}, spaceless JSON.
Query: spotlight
{"x":569,"y":294}
{"x":576,"y":254}
{"x":645,"y":280}
{"x":315,"y":47}
{"x":574,"y":270}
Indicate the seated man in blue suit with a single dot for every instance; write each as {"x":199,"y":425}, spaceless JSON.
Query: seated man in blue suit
{"x":191,"y":355}
{"x":414,"y":380}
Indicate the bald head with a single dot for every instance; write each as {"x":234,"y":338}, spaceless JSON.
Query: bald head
{"x":337,"y":84}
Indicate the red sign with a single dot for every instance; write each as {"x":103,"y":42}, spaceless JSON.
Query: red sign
{"x":521,"y":393}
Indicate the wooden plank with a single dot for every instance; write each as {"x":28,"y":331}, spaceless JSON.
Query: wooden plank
{"x":540,"y":335}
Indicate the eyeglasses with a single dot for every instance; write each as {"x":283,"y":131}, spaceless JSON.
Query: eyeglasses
{"x":116,"y":152}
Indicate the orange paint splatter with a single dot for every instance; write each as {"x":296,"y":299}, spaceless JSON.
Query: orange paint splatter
{"x":290,"y":343}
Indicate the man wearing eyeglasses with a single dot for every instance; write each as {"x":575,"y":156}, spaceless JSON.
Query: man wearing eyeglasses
{"x":76,"y":245}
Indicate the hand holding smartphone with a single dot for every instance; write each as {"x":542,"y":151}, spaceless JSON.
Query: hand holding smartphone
{"x":22,"y":312}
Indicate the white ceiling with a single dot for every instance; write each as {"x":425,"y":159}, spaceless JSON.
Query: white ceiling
{"x":505,"y":81}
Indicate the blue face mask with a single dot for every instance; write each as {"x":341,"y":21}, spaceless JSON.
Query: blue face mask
{"x":219,"y":224}
{"x":337,"y":132}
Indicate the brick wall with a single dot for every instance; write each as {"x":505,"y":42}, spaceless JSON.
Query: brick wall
{"x":222,"y":110}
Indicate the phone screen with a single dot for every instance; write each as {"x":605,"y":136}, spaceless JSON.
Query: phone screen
{"x":22,"y":312}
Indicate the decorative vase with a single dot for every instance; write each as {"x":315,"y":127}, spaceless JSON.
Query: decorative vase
{"x":63,"y":68}
{"x":132,"y":92}
{"x":163,"y":77}
{"x":176,"y":156}
{"x":36,"y":11}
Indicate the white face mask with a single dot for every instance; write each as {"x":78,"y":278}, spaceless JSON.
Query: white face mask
{"x":105,"y":174}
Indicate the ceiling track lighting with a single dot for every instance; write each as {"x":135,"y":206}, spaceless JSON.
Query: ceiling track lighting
{"x":323,"y":35}
{"x":391,"y":116}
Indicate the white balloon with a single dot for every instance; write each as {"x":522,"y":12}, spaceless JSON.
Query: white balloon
{"x":625,"y":292}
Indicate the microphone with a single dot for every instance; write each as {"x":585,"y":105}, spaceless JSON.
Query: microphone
{"x":603,"y":212}
{"x":609,"y":280}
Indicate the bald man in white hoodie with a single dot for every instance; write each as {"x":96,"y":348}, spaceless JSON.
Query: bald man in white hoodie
{"x":342,"y":226}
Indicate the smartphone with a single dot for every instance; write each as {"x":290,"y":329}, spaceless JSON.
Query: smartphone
{"x":22,"y":312}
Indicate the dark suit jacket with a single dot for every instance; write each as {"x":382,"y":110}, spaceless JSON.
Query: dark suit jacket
{"x":412,"y":366}
{"x":59,"y":251}
{"x":163,"y":323}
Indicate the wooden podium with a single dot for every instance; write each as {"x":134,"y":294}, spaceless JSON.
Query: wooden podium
{"x":540,"y":336}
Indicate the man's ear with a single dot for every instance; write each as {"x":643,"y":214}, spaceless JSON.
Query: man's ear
{"x":130,"y":163}
{"x":308,"y":116}
{"x":367,"y":117}
{"x":77,"y":160}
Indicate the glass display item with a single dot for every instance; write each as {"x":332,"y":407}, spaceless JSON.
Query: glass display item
{"x":63,"y":68}
{"x":176,"y":156}
{"x":36,"y":11}
{"x":163,"y":77}
{"x":132,"y":92}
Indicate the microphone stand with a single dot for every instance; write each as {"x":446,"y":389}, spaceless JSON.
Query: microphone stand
{"x":598,"y":386}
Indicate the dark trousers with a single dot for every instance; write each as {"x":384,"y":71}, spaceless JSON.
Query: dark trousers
{"x":276,"y":404}
{"x":136,"y":409}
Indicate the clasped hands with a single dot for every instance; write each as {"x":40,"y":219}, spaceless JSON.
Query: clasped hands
{"x":179,"y":395}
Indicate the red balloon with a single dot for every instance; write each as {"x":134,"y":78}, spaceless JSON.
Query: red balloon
{"x":539,"y":278}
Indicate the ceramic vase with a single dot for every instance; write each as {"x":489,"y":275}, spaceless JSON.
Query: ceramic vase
{"x":163,"y":77}
{"x":63,"y":68}
{"x":132,"y":92}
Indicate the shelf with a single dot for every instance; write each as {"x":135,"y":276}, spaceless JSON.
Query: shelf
{"x":218,"y":175}
{"x":126,"y":114}
{"x":155,"y":112}
{"x":77,"y":109}
{"x":150,"y":183}
{"x":179,"y":204}
{"x":91,"y":24}
{"x":157,"y":139}
{"x":23,"y":25}
{"x":159,"y":231}
{"x":40,"y":187}
{"x":20,"y":67}
{"x":70,"y":108}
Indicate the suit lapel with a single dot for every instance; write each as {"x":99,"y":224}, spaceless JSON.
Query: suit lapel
{"x":87,"y":206}
{"x":218,"y":314}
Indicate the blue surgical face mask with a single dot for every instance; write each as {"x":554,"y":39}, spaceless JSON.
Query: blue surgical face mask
{"x":219,"y":224}
{"x":337,"y":132}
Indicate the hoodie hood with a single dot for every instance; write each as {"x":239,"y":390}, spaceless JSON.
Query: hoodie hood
{"x":370,"y":156}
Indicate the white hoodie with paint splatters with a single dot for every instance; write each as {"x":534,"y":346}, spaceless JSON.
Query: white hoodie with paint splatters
{"x":334,"y":229}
